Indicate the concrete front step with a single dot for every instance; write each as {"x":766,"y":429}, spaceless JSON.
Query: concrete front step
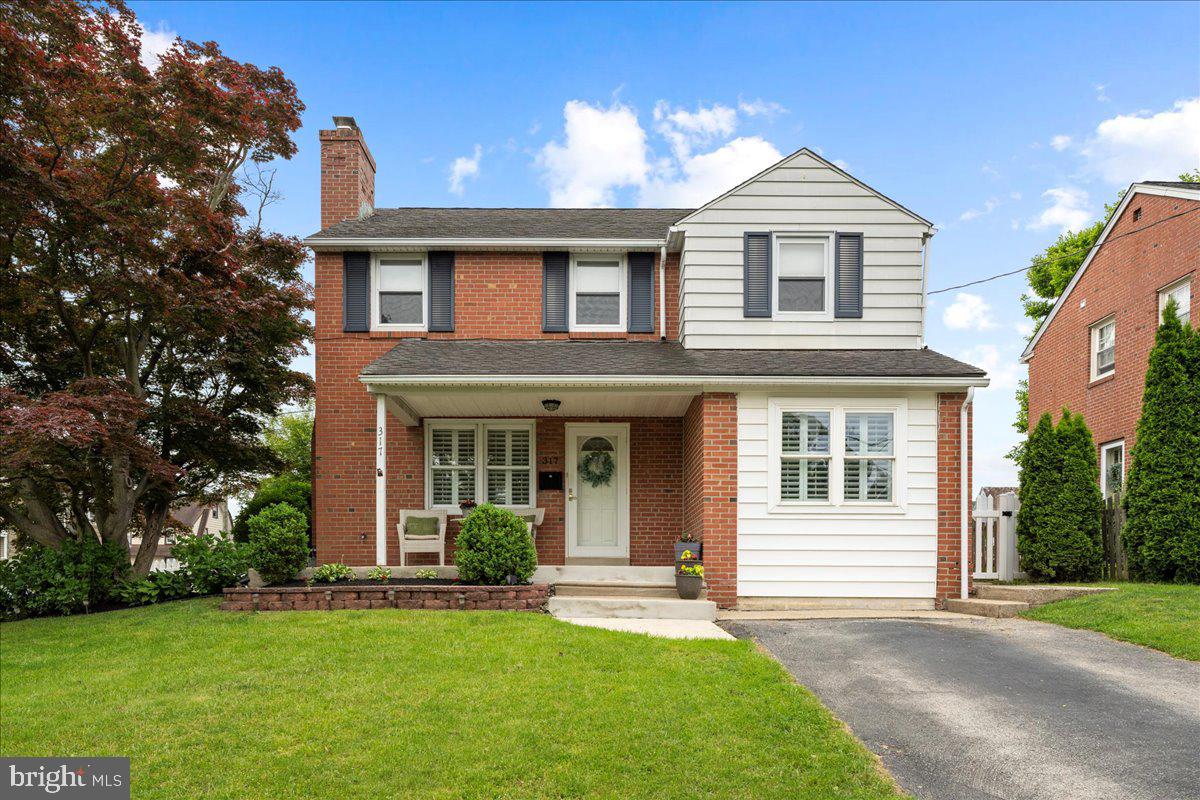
{"x":985,"y":608}
{"x":630,"y":607}
{"x":1035,"y":595}
{"x":614,"y":589}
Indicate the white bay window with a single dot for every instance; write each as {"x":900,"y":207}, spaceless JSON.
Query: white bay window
{"x":836,"y":453}
{"x":484,"y":461}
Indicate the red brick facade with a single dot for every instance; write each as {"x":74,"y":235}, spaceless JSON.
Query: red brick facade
{"x":710,"y":446}
{"x":949,"y":494}
{"x":347,"y":176}
{"x":1123,"y":279}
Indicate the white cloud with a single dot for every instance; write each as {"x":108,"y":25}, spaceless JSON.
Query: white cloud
{"x":1024,"y":328}
{"x":1145,"y":146}
{"x":604,"y":149}
{"x":702,"y":177}
{"x":842,"y":165}
{"x":1068,"y":210}
{"x":684,"y":129}
{"x":1002,"y":366}
{"x":968,"y":312}
{"x":973,"y":213}
{"x":990,"y":171}
{"x":1060,"y":142}
{"x":154,"y":43}
{"x":759,"y":107}
{"x":463,"y":168}
{"x":1101,"y":94}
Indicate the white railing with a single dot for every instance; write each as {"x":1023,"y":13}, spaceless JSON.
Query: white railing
{"x":996,"y":537}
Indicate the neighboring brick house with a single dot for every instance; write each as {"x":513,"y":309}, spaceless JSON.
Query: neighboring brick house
{"x":752,"y":371}
{"x":1091,"y":353}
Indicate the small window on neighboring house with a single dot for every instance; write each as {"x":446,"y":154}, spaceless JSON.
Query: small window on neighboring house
{"x":1137,"y":214}
{"x":597,"y":301}
{"x":1112,"y":468}
{"x":399,"y":299}
{"x":1182,"y":294}
{"x":802,"y":269}
{"x":1104,"y":341}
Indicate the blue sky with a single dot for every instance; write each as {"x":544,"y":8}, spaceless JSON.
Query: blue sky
{"x":1002,"y":123}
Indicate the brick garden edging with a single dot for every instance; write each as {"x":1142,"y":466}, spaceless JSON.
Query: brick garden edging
{"x":441,"y":598}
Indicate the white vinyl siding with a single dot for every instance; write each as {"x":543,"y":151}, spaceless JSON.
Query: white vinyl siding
{"x":485,"y":461}
{"x":868,"y":549}
{"x":802,"y":196}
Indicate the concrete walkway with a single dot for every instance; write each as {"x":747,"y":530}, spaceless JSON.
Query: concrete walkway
{"x":988,"y":709}
{"x":666,"y":628}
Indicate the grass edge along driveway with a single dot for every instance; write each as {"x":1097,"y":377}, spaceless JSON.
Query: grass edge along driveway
{"x":373,"y":704}
{"x":1162,"y":616}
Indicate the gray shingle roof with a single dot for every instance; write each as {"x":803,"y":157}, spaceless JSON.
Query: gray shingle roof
{"x":493,"y":357}
{"x":1174,"y":184}
{"x":509,"y":223}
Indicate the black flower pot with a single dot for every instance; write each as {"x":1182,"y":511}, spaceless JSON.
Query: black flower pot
{"x":689,"y":586}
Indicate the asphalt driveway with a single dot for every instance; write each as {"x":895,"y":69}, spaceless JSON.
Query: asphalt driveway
{"x":981,"y":708}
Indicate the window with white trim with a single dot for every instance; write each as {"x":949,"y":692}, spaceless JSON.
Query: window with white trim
{"x":1182,"y":293}
{"x":1104,"y":348}
{"x":1112,"y":468}
{"x":836,"y":453}
{"x":398,"y":299}
{"x":597,"y":285}
{"x":803,"y":264}
{"x":455,"y":472}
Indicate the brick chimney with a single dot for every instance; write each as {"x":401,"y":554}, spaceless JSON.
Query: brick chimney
{"x":347,"y":174}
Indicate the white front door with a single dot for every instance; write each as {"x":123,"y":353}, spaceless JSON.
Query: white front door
{"x":597,"y":490}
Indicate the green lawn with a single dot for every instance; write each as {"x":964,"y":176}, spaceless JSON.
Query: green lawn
{"x":1159,"y":615}
{"x":374,"y":704}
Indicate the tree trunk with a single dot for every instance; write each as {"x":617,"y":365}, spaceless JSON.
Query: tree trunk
{"x":156,"y":517}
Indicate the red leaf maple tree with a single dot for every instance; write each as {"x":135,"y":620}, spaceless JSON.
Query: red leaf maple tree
{"x":147,"y":321}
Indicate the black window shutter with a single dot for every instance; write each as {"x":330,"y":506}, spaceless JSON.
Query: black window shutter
{"x":641,"y":293}
{"x":848,"y":276}
{"x":441,"y":291}
{"x":356,"y":292}
{"x":756,"y":276}
{"x":555,"y":267}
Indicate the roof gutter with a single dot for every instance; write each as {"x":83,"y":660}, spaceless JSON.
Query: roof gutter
{"x":674,"y":380}
{"x":427,"y":243}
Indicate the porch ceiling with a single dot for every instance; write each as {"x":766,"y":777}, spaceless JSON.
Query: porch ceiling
{"x":497,"y":402}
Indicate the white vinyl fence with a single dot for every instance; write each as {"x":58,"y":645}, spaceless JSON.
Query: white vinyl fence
{"x":996,"y":537}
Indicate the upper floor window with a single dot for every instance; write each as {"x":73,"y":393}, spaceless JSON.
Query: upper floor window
{"x":1104,"y":344}
{"x":1182,"y":292}
{"x":597,"y":293}
{"x":803,"y":283}
{"x":398,"y":299}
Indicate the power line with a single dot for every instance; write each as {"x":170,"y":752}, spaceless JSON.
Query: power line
{"x":1097,"y":246}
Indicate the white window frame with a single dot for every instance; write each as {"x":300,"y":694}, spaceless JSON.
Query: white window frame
{"x":376,"y":325}
{"x":1104,"y":448}
{"x":837,"y":408}
{"x":481,"y":427}
{"x":1165,"y":292}
{"x":825,"y":237}
{"x":622,"y":291}
{"x":1094,"y":347}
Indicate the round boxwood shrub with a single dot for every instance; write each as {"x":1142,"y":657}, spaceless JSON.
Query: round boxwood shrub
{"x":278,"y":543}
{"x":493,"y":544}
{"x":289,"y":489}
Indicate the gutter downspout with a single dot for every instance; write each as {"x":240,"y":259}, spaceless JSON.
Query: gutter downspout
{"x":925,"y":246}
{"x":662,"y":294}
{"x":963,"y":560}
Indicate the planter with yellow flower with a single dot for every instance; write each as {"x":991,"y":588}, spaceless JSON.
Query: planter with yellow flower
{"x":689,"y":576}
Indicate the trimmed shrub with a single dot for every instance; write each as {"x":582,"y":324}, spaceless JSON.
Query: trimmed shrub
{"x":492,"y":545}
{"x":289,"y":489}
{"x":1162,"y":530}
{"x":333,"y":572}
{"x":1058,"y":524}
{"x":81,"y":574}
{"x":209,"y":563}
{"x":278,"y":543}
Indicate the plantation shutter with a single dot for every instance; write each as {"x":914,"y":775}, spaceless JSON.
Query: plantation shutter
{"x":356,"y":292}
{"x":756,"y":278}
{"x":848,"y":276}
{"x":554,"y":292}
{"x":641,"y":293}
{"x":441,"y":291}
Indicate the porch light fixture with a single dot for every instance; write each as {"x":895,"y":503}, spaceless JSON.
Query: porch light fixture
{"x":551,"y":405}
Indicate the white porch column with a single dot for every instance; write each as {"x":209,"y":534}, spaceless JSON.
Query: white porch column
{"x":380,"y":480}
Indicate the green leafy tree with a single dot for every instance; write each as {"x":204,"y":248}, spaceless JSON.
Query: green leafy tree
{"x":1162,"y":531}
{"x":289,"y":436}
{"x":289,"y":489}
{"x":1058,"y":524}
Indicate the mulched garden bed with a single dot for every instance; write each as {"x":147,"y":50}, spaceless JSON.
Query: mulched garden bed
{"x":368,"y":582}
{"x":429,"y":594}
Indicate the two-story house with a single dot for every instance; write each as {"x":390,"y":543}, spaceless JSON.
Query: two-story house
{"x":1091,"y":353}
{"x":752,"y":371}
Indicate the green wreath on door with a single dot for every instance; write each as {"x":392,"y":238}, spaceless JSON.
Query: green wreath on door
{"x":596,"y":467}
